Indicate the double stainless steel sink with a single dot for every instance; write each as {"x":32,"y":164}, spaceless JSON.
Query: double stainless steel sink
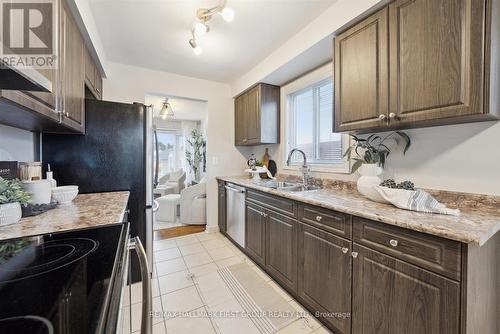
{"x":288,"y":186}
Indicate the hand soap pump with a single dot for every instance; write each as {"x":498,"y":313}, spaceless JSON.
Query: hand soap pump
{"x":50,"y":177}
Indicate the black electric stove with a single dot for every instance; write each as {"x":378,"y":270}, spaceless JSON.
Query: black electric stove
{"x":61,"y":282}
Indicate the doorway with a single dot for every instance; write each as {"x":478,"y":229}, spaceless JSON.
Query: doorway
{"x":180,"y":125}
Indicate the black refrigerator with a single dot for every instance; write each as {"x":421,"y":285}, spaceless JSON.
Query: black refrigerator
{"x":116,"y":153}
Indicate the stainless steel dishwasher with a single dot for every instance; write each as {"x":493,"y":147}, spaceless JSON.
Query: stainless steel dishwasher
{"x":235,"y":213}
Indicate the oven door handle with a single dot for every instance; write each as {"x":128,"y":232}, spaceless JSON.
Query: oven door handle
{"x":147,"y":301}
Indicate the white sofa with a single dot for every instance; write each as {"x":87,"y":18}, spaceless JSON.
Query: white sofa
{"x":193,"y":204}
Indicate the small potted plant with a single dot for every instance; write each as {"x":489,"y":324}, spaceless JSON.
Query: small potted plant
{"x":12,"y":195}
{"x":372,"y":153}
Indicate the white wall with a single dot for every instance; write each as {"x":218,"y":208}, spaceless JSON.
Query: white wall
{"x":16,"y":144}
{"x":334,"y":18}
{"x":461,"y":158}
{"x":130,"y":84}
{"x":457,"y":158}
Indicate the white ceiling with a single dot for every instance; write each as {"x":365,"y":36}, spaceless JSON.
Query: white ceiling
{"x":154,"y":34}
{"x":184,"y":109}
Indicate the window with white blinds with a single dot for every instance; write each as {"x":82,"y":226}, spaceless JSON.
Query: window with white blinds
{"x":309,"y":114}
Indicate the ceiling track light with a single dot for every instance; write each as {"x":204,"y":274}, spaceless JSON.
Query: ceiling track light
{"x":201,"y":27}
{"x":194,"y":45}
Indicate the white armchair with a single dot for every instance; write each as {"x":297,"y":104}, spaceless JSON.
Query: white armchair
{"x":177,"y":179}
{"x":193,"y":204}
{"x":171,"y":183}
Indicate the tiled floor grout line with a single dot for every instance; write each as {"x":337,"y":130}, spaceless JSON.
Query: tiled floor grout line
{"x":195,"y":280}
{"x":196,"y":286}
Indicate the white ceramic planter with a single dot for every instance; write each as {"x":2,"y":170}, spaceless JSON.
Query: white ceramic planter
{"x":369,"y":180}
{"x":10,"y":213}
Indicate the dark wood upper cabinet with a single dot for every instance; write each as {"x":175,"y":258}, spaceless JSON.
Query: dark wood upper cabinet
{"x":392,"y":297}
{"x":257,"y":113}
{"x":281,"y":248}
{"x":48,"y":99}
{"x":93,"y":79}
{"x":325,"y":275}
{"x":437,"y":59}
{"x":440,"y":56}
{"x":240,"y":107}
{"x":362,"y":74}
{"x":73,"y":69}
{"x":62,"y":110}
{"x":255,"y":232}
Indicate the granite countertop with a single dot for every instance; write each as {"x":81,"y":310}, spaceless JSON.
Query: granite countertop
{"x":87,"y":210}
{"x":475,"y":225}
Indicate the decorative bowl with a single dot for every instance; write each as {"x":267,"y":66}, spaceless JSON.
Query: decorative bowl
{"x":65,"y":194}
{"x":10,"y":213}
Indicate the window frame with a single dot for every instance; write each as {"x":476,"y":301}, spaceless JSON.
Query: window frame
{"x":312,"y":78}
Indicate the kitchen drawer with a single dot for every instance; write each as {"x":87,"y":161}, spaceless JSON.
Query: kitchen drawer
{"x":273,"y":202}
{"x":328,"y":220}
{"x":433,"y":253}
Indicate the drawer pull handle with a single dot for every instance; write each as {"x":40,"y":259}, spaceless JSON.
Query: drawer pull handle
{"x":345,"y":250}
{"x":318,"y":218}
{"x":354,"y":254}
{"x":394,"y":243}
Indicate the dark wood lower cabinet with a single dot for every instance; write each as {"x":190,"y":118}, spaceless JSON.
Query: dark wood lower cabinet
{"x":393,"y":297}
{"x":255,"y":232}
{"x":325,"y":276}
{"x":360,"y":283}
{"x":281,"y":248}
{"x":222,"y":207}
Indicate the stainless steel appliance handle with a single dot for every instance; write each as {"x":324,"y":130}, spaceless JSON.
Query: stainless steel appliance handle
{"x":147,"y":301}
{"x":235,"y":190}
{"x":157,"y":157}
{"x":156,"y":205}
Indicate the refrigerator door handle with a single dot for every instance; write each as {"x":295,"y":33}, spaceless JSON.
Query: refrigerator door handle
{"x":147,"y":301}
{"x":157,"y":157}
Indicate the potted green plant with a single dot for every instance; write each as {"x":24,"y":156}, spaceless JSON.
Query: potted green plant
{"x":371,"y":154}
{"x":12,"y":195}
{"x":194,"y":154}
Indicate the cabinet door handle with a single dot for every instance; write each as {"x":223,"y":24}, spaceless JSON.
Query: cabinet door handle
{"x":382,"y":117}
{"x":345,"y":250}
{"x":393,"y":243}
{"x":354,"y":254}
{"x":318,"y":218}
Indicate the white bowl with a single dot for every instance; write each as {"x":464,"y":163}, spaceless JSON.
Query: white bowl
{"x":65,"y":194}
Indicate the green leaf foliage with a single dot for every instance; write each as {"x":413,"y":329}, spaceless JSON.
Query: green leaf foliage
{"x":373,"y":149}
{"x":12,"y":191}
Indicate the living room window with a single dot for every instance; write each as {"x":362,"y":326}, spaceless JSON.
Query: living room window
{"x":308,"y":109}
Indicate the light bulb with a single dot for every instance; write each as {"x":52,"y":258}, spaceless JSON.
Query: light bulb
{"x":197,"y":50}
{"x":227,"y":14}
{"x":200,"y":29}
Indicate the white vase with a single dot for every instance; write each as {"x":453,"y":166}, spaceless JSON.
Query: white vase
{"x":10,"y":213}
{"x":369,"y":180}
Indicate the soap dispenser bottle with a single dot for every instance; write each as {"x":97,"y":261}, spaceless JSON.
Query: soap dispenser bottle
{"x":50,"y":177}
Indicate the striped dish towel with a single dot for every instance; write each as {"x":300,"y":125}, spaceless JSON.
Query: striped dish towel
{"x":417,"y":200}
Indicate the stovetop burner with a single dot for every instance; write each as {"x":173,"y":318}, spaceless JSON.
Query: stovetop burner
{"x":36,"y":259}
{"x":28,"y":323}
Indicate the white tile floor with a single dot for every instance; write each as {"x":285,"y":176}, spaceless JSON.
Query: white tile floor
{"x":186,"y":280}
